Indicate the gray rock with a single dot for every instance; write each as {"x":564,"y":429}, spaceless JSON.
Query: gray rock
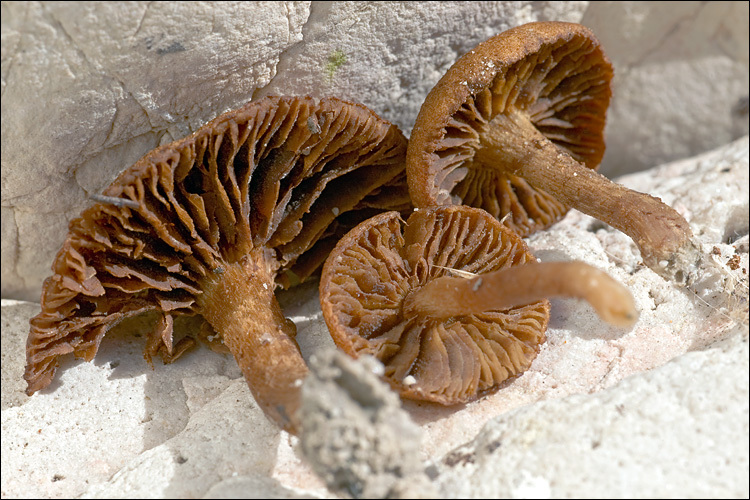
{"x":191,"y":462}
{"x":115,"y":426}
{"x":15,"y":321}
{"x":355,"y":434}
{"x":678,"y":431}
{"x":583,"y":354}
{"x":251,"y":487}
{"x":681,"y":79}
{"x":89,"y":88}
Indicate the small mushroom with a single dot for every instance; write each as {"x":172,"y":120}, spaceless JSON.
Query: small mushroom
{"x":209,"y":225}
{"x":452,"y":303}
{"x":516,"y":126}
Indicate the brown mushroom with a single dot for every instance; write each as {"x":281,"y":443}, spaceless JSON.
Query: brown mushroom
{"x":208,"y":224}
{"x":515,"y":127}
{"x":387,"y":291}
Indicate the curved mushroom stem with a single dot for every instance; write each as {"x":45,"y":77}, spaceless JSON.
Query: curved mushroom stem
{"x":522,"y":285}
{"x":240,"y":304}
{"x":662,"y":235}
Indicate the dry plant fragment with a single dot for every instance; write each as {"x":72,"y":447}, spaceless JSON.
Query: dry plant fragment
{"x":400,"y":294}
{"x":516,"y":127}
{"x":209,"y":225}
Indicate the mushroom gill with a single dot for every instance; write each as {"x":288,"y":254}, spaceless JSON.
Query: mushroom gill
{"x":516,"y":127}
{"x":387,"y":291}
{"x":210,"y":225}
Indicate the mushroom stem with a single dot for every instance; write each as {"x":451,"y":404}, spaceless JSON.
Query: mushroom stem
{"x":517,"y":286}
{"x":239,"y":303}
{"x":660,"y":233}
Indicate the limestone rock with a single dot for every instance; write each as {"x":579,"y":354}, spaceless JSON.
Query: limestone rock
{"x":115,"y":425}
{"x":355,"y":434}
{"x":188,"y":464}
{"x":89,"y":88}
{"x":583,"y":354}
{"x":681,"y":79}
{"x":15,"y":321}
{"x":678,"y":431}
{"x":252,"y":487}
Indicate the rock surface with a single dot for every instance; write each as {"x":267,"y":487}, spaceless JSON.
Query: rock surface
{"x":650,"y":436}
{"x":116,"y":427}
{"x":657,"y":410}
{"x":355,"y":434}
{"x":88,"y":88}
{"x":681,"y":79}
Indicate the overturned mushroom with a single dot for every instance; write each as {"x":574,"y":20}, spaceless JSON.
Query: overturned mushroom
{"x":448,"y":339}
{"x":209,"y":225}
{"x":515,"y":127}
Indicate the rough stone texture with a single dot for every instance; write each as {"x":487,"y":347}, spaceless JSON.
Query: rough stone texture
{"x":681,"y":78}
{"x":189,"y":463}
{"x":651,"y":436}
{"x":252,"y":487}
{"x":116,"y":427}
{"x":583,"y":354}
{"x":355,"y":433}
{"x":88,"y":88}
{"x":15,"y":329}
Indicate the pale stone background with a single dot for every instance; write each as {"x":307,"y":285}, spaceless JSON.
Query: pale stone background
{"x":657,"y":410}
{"x":90,"y":87}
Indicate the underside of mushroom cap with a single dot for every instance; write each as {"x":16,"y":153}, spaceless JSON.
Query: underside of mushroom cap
{"x":278,"y":179}
{"x":552,"y":76}
{"x":371,"y":272}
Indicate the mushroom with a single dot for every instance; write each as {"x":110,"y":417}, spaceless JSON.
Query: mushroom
{"x":452,"y":303}
{"x":209,"y":225}
{"x":515,"y":127}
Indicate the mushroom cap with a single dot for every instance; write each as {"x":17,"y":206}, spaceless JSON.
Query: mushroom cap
{"x":373,"y":269}
{"x":555,"y":75}
{"x":281,"y":177}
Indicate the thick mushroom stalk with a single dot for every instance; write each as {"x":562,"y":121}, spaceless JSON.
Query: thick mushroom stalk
{"x":239,"y":302}
{"x":512,"y":143}
{"x":516,"y":127}
{"x":210,"y":225}
{"x":504,"y":289}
